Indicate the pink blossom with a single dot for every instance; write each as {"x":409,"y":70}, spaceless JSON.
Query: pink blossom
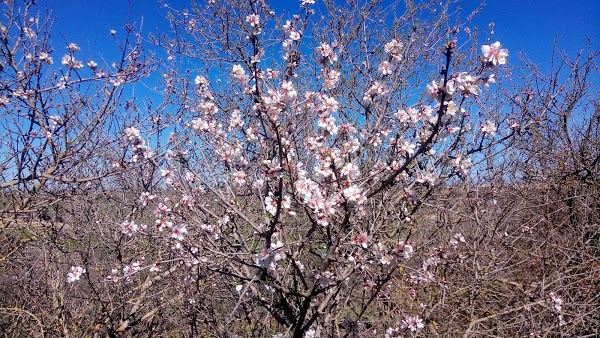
{"x":556,"y":301}
{"x":161,"y":209}
{"x":239,"y":74}
{"x":253,"y":20}
{"x":489,"y":80}
{"x":489,"y":127}
{"x":240,"y":178}
{"x":332,"y":78}
{"x":354,"y":195}
{"x":405,"y":250}
{"x":163,"y":222}
{"x":271,"y":204}
{"x":286,"y":203}
{"x":414,"y":324}
{"x":494,"y":53}
{"x":129,"y":228}
{"x":393,"y":332}
{"x":350,"y":170}
{"x":54,"y":121}
{"x":70,"y":62}
{"x":432,"y":91}
{"x":361,"y":239}
{"x":146,"y":197}
{"x":45,"y":57}
{"x":386,"y":259}
{"x":187,"y":201}
{"x":236,"y":120}
{"x":269,"y":257}
{"x":385,"y":68}
{"x":132,"y":133}
{"x":452,"y":108}
{"x":179,"y":232}
{"x":456,"y":239}
{"x":394,"y":49}
{"x":327,"y":53}
{"x":200,"y":81}
{"x":29,"y":33}
{"x":288,"y":90}
{"x":168,"y":175}
{"x":453,"y":130}
{"x":408,"y":148}
{"x":329,"y":104}
{"x":75,"y":274}
{"x":467,"y":89}
{"x":131,"y":269}
{"x":427,"y":177}
{"x":376,"y":89}
{"x":295,"y":35}
{"x":462,"y":164}
{"x":407,"y":115}
{"x":328,"y":123}
{"x":251,"y":134}
{"x":272,"y":74}
{"x":73,"y":47}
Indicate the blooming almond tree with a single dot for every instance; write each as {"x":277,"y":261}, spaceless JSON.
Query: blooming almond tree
{"x":308,"y":144}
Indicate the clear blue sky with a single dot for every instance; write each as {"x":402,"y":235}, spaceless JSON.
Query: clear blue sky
{"x":521,"y":25}
{"x":531,"y":25}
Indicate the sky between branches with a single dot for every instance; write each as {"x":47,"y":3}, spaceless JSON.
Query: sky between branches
{"x":529,"y":26}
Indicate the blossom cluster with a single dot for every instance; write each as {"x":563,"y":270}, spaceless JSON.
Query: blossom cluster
{"x":407,"y":325}
{"x":556,"y":304}
{"x":269,"y":257}
{"x":69,"y":60}
{"x":139,"y":147}
{"x":75,"y":274}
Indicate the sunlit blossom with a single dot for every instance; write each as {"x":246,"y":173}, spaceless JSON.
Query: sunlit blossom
{"x":129,"y":228}
{"x":129,"y":270}
{"x":385,"y":68}
{"x":462,"y":164}
{"x":327,"y":52}
{"x":295,"y":35}
{"x":179,"y":232}
{"x":489,"y":128}
{"x":253,"y":20}
{"x":432,"y":91}
{"x":361,"y":239}
{"x":394,"y":49}
{"x":414,"y":324}
{"x":73,"y":47}
{"x":271,"y":204}
{"x":354,"y":195}
{"x":45,"y":57}
{"x":75,"y":274}
{"x":71,"y":62}
{"x":494,"y":53}
{"x":239,"y":178}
